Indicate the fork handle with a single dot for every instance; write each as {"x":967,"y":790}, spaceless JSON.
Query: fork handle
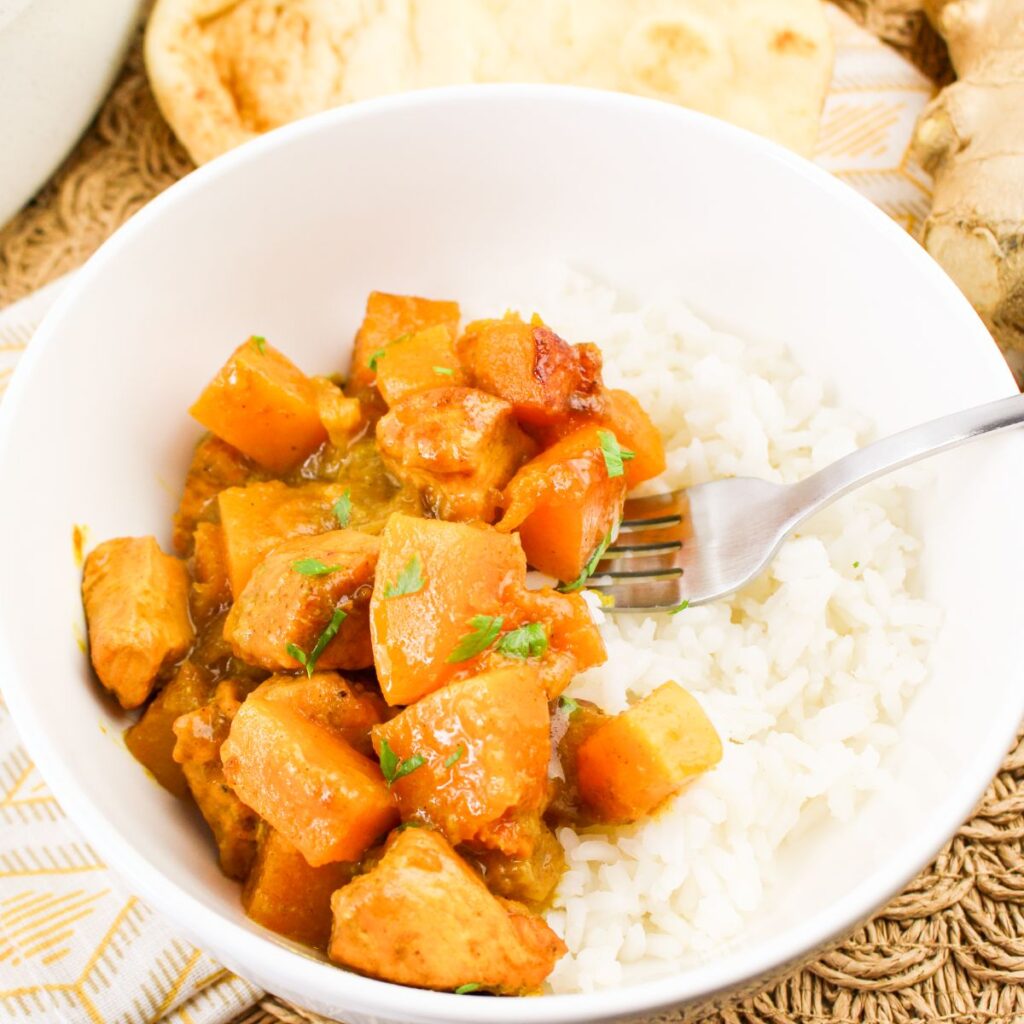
{"x":859,"y":467}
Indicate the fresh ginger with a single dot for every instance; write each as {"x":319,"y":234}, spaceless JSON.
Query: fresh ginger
{"x":971,"y":138}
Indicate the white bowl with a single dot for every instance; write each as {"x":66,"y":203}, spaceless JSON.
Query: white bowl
{"x":443,"y":193}
{"x":58,"y":58}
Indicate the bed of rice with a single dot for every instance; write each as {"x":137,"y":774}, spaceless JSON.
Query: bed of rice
{"x":804,"y":673}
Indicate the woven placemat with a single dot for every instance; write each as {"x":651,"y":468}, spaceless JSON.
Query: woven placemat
{"x":950,"y":948}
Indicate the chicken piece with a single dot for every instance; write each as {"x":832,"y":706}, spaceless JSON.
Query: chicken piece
{"x":293,"y":596}
{"x":633,"y":762}
{"x":332,"y":702}
{"x":565,"y":503}
{"x":482,"y":747}
{"x":136,"y":610}
{"x":264,"y":405}
{"x":432,"y":579}
{"x":215,"y":466}
{"x":199,"y":737}
{"x":459,"y":446}
{"x":530,"y":880}
{"x":306,"y":782}
{"x":286,"y":895}
{"x":151,"y":739}
{"x":423,"y":917}
{"x":418,"y":363}
{"x":211,"y":588}
{"x":527,"y":364}
{"x":572,"y":722}
{"x":389,"y":317}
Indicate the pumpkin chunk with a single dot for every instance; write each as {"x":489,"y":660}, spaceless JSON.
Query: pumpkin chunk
{"x":484,"y":745}
{"x":564,"y":504}
{"x":211,"y":587}
{"x":136,"y":610}
{"x":292,"y":595}
{"x":459,"y":446}
{"x":423,"y":902}
{"x":631,"y":763}
{"x":419,"y":362}
{"x":264,"y":405}
{"x":527,"y":364}
{"x":308,"y":783}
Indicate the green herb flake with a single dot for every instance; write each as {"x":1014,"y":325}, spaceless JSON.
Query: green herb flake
{"x":297,"y":653}
{"x":308,"y":661}
{"x":681,"y":607}
{"x":529,"y":641}
{"x":856,"y":565}
{"x":375,"y":357}
{"x":443,"y":371}
{"x":464,"y":990}
{"x":313,"y":567}
{"x":614,"y":454}
{"x":485,"y":631}
{"x":393,"y":767}
{"x":410,"y":580}
{"x":410,"y":824}
{"x":259,"y":343}
{"x":342,"y":508}
{"x":568,"y":705}
{"x":457,"y":755}
{"x":588,"y":569}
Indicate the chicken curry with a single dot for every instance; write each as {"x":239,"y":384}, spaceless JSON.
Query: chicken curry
{"x":342,"y":663}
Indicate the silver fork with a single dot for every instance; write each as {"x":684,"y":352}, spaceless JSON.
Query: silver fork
{"x":698,"y":544}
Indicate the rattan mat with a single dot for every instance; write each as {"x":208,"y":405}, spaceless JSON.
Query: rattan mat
{"x":950,"y":948}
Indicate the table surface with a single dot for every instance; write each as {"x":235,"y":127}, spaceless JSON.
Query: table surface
{"x":950,"y":948}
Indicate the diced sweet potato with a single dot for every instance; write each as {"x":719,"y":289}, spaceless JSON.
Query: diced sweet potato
{"x":528,"y":365}
{"x":136,"y":609}
{"x":264,"y":405}
{"x":151,"y":739}
{"x":484,"y":745}
{"x":211,"y":588}
{"x":257,"y":518}
{"x":331,"y":701}
{"x":341,"y":416}
{"x":459,"y":446}
{"x":564,"y":504}
{"x":419,"y":362}
{"x":292,"y":595}
{"x":199,"y":736}
{"x":215,"y":465}
{"x":625,"y":417}
{"x":452,"y":572}
{"x":387,"y":318}
{"x":423,"y":917}
{"x":530,"y":880}
{"x":309,"y":784}
{"x":286,"y":895}
{"x":638,"y":759}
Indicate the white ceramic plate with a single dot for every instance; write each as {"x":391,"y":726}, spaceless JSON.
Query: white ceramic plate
{"x":446,"y":193}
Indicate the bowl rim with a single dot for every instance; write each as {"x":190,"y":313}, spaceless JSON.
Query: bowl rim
{"x":346,"y":991}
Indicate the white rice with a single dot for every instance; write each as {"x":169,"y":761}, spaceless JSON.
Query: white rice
{"x":804,"y":673}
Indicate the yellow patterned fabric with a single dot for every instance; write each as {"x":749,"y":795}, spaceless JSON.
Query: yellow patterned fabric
{"x":76,"y":947}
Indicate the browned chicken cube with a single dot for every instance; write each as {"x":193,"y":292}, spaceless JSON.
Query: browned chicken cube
{"x":530,"y":880}
{"x":303,"y":590}
{"x":215,"y":466}
{"x":136,"y":610}
{"x":423,"y":917}
{"x":459,"y":446}
{"x":200,"y":734}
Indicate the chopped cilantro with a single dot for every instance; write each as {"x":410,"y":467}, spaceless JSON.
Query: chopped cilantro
{"x":464,"y":990}
{"x":410,"y":824}
{"x":297,"y":653}
{"x":342,"y":508}
{"x":410,"y":580}
{"x":568,"y":705}
{"x":614,"y":454}
{"x":588,"y":569}
{"x":375,"y":357}
{"x":453,"y":758}
{"x":259,"y":343}
{"x":313,"y":567}
{"x":444,"y":371}
{"x":485,"y":631}
{"x":682,"y":606}
{"x":529,"y":641}
{"x":393,"y":767}
{"x":308,"y":661}
{"x":856,"y":565}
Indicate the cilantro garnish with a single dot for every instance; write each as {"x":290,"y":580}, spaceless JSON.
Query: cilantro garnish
{"x":313,"y":567}
{"x":614,"y":454}
{"x":682,"y":606}
{"x":464,"y":990}
{"x":443,"y":371}
{"x":259,"y":343}
{"x":529,"y":641}
{"x":485,"y":631}
{"x":342,"y":508}
{"x":375,"y":357}
{"x":588,"y":569}
{"x":393,"y":767}
{"x":308,"y":661}
{"x":569,"y":705}
{"x":453,"y":758}
{"x":410,"y":580}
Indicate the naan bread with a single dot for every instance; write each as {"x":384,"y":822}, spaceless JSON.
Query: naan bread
{"x":226,"y":70}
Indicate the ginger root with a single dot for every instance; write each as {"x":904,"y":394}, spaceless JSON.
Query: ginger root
{"x":971,"y":138}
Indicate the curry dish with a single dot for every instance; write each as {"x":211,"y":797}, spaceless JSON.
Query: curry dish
{"x":343,"y":665}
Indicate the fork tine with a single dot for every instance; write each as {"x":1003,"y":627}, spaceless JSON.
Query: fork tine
{"x":668,"y":507}
{"x":650,"y":567}
{"x":642,"y":549}
{"x":640,"y":595}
